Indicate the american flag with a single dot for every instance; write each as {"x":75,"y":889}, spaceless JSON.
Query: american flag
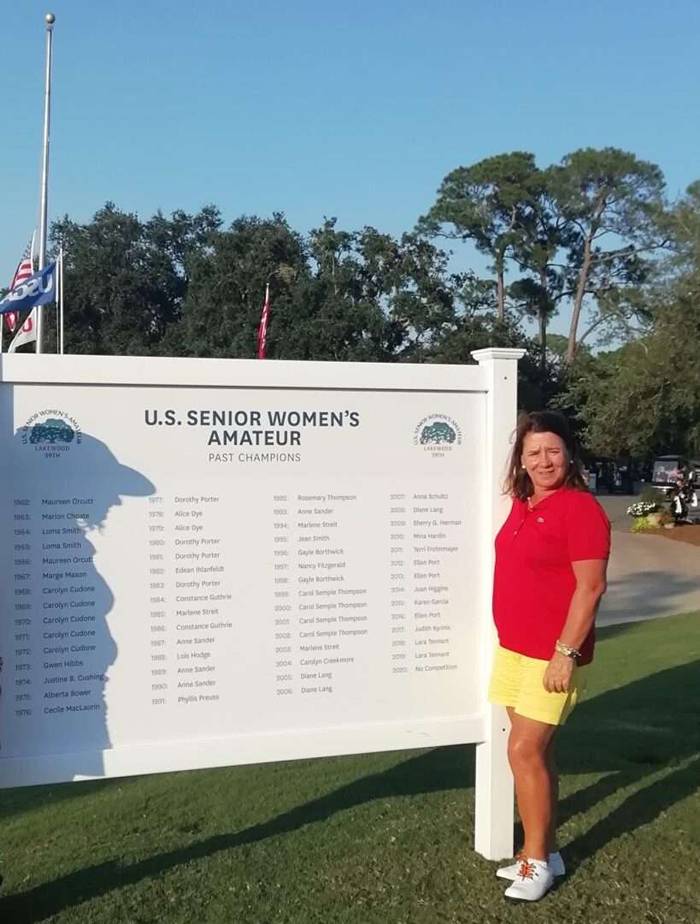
{"x":24,"y":267}
{"x":24,"y":270}
{"x":264,"y":319}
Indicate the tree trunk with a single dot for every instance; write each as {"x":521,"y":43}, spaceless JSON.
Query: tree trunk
{"x":500,"y":288}
{"x":542,"y":319}
{"x":578,"y":300}
{"x":583,"y":277}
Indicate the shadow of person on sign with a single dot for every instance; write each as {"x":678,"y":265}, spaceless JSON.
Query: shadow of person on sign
{"x":61,"y":485}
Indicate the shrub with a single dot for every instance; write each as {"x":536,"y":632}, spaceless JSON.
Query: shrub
{"x":641,"y":524}
{"x":652,"y":520}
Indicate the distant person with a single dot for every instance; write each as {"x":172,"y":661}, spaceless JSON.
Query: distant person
{"x":617,"y":479}
{"x":551,"y":558}
{"x":681,"y":497}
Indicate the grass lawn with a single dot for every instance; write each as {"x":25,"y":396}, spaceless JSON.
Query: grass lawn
{"x":385,"y":838}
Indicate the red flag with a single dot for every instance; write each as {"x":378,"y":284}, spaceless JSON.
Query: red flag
{"x":264,"y":320}
{"x":26,"y":333}
{"x":11,"y":319}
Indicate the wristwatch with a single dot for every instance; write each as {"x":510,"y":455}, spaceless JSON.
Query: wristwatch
{"x":567,"y":650}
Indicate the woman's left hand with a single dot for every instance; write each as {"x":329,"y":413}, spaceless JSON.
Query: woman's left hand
{"x":557,"y":676}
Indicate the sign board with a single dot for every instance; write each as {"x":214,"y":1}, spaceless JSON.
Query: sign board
{"x":220,"y":562}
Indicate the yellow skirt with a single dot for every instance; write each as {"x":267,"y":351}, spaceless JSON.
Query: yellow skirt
{"x":516,"y":681}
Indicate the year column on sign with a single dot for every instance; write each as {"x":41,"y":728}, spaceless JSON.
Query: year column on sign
{"x":157,"y":599}
{"x":398,"y":578}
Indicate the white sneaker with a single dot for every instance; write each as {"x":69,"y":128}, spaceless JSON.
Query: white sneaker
{"x":555,"y":861}
{"x":533,"y":880}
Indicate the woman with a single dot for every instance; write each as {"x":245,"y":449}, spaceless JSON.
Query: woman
{"x":551,"y":558}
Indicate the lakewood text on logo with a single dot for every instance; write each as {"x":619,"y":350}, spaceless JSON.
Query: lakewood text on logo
{"x":52,"y":432}
{"x":438,"y":434}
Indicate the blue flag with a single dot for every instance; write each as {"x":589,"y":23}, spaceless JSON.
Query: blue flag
{"x":39,"y":289}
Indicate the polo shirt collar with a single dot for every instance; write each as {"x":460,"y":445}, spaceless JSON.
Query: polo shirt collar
{"x":545,"y":502}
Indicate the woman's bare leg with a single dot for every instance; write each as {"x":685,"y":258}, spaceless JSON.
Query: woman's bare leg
{"x":554,"y":778}
{"x":535,"y":787}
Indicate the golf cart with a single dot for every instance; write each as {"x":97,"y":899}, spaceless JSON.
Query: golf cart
{"x":679,"y":477}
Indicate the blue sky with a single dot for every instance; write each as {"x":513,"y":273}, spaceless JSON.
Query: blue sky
{"x":310,"y":108}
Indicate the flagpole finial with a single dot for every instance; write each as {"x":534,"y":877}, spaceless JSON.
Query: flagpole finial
{"x":50,"y":19}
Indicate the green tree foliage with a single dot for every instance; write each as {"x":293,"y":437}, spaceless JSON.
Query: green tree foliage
{"x":489,"y":203}
{"x":227,"y":279}
{"x":538,"y":292}
{"x":585,"y":231}
{"x":644,"y":398}
{"x":609,"y":203}
{"x":124,"y":280}
{"x":422,"y":297}
{"x":183,"y":237}
{"x":349,"y":275}
{"x":681,"y":225}
{"x":182,"y":285}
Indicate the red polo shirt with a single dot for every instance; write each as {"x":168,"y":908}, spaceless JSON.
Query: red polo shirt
{"x":533,"y":580}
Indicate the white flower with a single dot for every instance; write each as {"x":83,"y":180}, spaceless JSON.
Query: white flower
{"x":641,"y":508}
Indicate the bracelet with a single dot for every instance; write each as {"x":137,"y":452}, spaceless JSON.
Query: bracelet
{"x":567,"y":650}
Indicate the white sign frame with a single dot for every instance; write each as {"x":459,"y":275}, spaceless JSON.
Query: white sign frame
{"x":495,"y":377}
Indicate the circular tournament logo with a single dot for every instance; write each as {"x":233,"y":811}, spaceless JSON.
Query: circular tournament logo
{"x":51,"y":432}
{"x":437,"y":434}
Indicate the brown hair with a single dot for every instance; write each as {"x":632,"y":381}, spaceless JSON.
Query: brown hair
{"x":518,"y":483}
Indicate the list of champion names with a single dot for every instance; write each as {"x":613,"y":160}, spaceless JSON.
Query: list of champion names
{"x":331,"y":590}
{"x":192,"y":605}
{"x":346,"y":592}
{"x":57,"y":601}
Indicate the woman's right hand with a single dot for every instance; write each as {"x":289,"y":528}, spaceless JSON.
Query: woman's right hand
{"x":557,"y":676}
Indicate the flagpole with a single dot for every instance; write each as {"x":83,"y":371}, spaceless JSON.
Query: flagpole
{"x":57,"y":305}
{"x":50,"y":20}
{"x":264,"y":320}
{"x":60,"y":302}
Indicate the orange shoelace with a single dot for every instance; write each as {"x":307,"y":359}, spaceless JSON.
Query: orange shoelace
{"x":527,"y":870}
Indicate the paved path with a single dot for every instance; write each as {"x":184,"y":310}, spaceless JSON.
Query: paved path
{"x":648,"y":576}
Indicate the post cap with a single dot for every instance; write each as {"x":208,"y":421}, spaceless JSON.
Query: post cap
{"x":490,"y":353}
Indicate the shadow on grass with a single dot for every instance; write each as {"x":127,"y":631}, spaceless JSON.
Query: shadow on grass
{"x":645,"y":724}
{"x":641,"y":807}
{"x":629,"y":734}
{"x":31,"y":798}
{"x":626,"y":733}
{"x":647,"y":594}
{"x":605,"y":632}
{"x":434,"y":771}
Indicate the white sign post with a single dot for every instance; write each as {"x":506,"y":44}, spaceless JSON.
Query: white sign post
{"x":215,"y":562}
